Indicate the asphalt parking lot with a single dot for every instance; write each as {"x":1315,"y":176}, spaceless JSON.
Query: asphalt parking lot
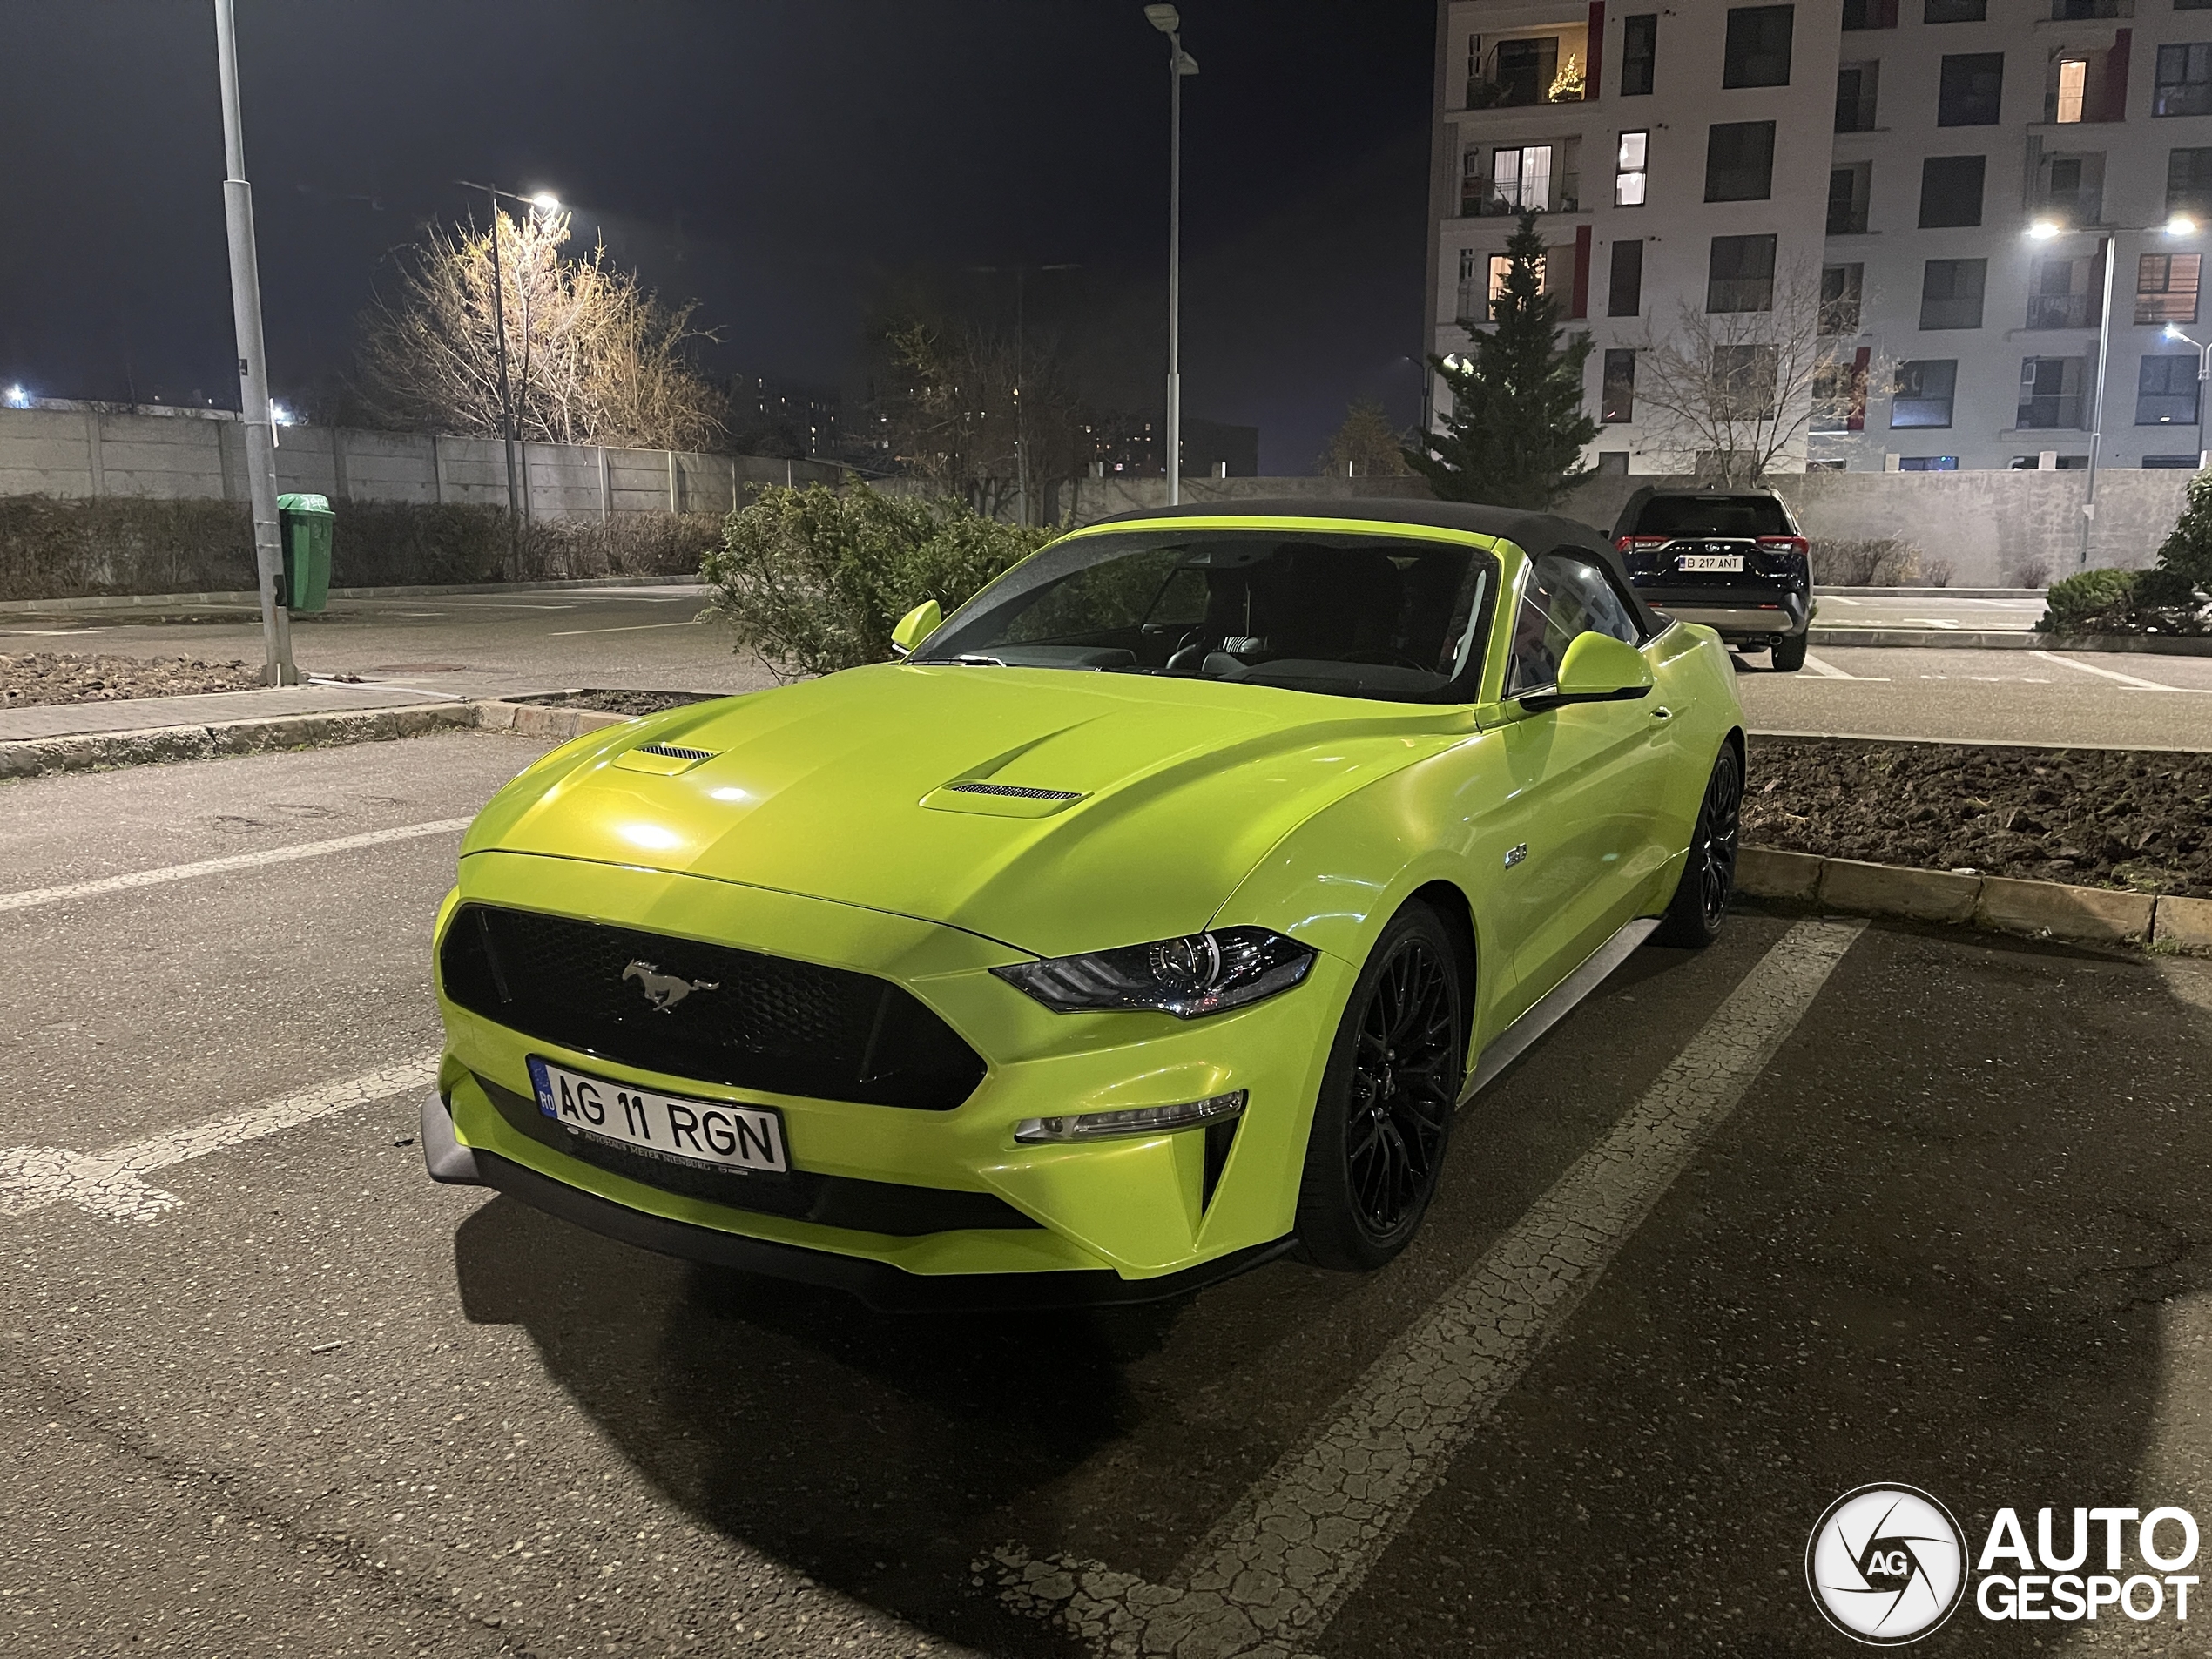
{"x":1930,"y":1208}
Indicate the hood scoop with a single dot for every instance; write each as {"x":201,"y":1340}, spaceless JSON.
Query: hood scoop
{"x":999,"y":801}
{"x":663,"y":759}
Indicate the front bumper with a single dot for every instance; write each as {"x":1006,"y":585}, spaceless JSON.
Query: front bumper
{"x":1141,"y":1212}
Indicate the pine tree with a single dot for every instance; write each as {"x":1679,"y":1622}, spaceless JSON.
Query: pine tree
{"x":1516,"y":428}
{"x":2188,"y":551}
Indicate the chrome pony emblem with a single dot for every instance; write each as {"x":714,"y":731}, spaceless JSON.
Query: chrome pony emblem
{"x":663,"y":990}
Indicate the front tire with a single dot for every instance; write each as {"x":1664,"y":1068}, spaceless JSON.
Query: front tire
{"x":1693,"y":918}
{"x":1384,"y":1116}
{"x":1788,"y":655}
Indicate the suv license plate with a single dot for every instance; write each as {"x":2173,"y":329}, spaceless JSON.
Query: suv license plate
{"x":1709,"y":562}
{"x":717,"y":1134}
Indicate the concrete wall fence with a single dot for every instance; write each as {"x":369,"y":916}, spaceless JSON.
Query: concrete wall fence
{"x":99,"y":452}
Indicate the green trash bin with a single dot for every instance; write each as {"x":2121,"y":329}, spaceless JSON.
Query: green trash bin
{"x":305,"y":523}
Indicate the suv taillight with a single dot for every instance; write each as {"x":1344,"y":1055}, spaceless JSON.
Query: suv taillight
{"x":1640,"y":544}
{"x":1796,"y":544}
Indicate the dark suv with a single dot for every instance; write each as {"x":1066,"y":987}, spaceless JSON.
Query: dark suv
{"x":1732,"y":559}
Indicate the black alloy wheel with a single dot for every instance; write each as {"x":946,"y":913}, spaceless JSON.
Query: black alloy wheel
{"x":1385,"y":1116}
{"x":1708,"y":876}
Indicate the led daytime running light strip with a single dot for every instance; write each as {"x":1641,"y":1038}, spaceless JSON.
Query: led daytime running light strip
{"x":1143,"y":1120}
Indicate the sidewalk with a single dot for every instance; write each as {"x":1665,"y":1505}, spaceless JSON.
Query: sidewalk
{"x":152,"y":713}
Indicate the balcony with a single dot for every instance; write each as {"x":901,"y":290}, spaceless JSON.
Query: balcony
{"x":1524,"y":69}
{"x":2055,"y":412}
{"x":2062,"y":311}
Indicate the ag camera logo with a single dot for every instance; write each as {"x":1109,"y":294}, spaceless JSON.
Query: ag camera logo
{"x":1887,"y":1564}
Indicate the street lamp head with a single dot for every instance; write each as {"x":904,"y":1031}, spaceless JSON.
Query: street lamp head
{"x":546,"y":202}
{"x":2181,"y":224}
{"x":1185,"y":65}
{"x":2043,"y":229}
{"x":1166,"y":19}
{"x":17,"y":398}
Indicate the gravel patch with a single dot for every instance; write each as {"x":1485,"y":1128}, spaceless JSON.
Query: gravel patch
{"x":628,"y":703}
{"x":2131,"y":818}
{"x":45,"y":678}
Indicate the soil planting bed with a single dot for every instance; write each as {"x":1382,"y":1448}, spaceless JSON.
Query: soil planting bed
{"x":2135,"y":818}
{"x":49,"y":676}
{"x":630,"y":703}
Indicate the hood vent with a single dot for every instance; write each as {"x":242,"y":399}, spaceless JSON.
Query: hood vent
{"x":663,"y":759}
{"x":675,"y":753}
{"x":1017,"y":791}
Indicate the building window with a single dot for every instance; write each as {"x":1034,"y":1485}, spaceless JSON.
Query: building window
{"x":2086,"y":11}
{"x":1973,"y":88}
{"x":2062,"y":293}
{"x":1955,"y":11}
{"x":1870,"y":14}
{"x":2165,"y":391}
{"x":1624,"y":294}
{"x":1474,"y":183}
{"x":2050,"y":394}
{"x":2171,"y":463}
{"x":1921,"y":395}
{"x":2165,"y":287}
{"x":1740,"y":273}
{"x":1521,"y":179}
{"x":1848,"y":190}
{"x":1630,"y":169}
{"x":1951,"y":191}
{"x":1617,"y":390}
{"x":1739,"y":161}
{"x":1758,"y":46}
{"x":1474,"y":288}
{"x":1839,"y":396}
{"x":2074,"y":79}
{"x":2070,"y":189}
{"x":1855,"y":86}
{"x":1839,"y":294}
{"x":1743,"y":381}
{"x":1928,"y":463}
{"x":2184,"y":85}
{"x":1523,"y":71}
{"x":1639,"y":53}
{"x":1950,"y":292}
{"x":2188,"y":182}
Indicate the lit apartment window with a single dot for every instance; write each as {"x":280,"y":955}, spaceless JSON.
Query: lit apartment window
{"x":2074,"y":77}
{"x":2165,"y":287}
{"x":1521,"y":178}
{"x":1500,"y":266}
{"x":1629,"y":170}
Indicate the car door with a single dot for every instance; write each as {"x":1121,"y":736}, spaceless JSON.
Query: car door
{"x":1586,"y":781}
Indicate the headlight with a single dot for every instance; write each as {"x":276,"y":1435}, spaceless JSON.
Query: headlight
{"x":1197,"y":974}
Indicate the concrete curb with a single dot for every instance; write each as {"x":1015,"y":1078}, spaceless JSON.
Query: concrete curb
{"x":102,"y":750}
{"x":2004,"y":639}
{"x":1998,"y":904}
{"x":249,"y":601}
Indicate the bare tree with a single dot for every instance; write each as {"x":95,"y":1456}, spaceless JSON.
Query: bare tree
{"x":593,"y":356}
{"x":1732,"y":390}
{"x":964,"y":402}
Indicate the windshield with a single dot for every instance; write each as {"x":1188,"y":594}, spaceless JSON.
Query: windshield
{"x":1348,"y":615}
{"x":1729,"y":515}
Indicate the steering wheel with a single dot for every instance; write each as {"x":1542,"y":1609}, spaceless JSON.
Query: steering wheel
{"x":1189,"y":652}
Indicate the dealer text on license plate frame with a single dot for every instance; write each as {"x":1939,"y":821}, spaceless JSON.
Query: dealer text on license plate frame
{"x":710,"y":1134}
{"x":1709,"y":562}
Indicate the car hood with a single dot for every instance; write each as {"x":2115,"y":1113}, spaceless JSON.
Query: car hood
{"x":841,"y":788}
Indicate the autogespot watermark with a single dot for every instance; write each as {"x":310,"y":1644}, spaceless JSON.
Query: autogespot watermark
{"x":1888,"y":1564}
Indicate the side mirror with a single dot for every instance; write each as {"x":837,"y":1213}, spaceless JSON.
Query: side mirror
{"x":916,"y":626}
{"x":1597,"y":669}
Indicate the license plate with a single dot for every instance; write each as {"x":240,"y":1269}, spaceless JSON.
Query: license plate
{"x":713,"y":1134}
{"x":1709,"y":562}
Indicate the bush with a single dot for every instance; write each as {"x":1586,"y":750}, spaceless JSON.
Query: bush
{"x":2189,"y":548}
{"x":815,"y":579}
{"x":1884,"y":563}
{"x":2091,"y":602}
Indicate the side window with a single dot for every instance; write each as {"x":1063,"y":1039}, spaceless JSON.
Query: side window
{"x":1567,"y":594}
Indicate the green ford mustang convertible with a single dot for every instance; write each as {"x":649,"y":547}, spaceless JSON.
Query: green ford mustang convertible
{"x":1151,"y":918}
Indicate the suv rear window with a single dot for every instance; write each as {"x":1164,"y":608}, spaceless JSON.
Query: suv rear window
{"x":1712,"y":515}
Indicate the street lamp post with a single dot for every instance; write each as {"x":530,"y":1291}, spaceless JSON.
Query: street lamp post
{"x":2042,"y":230}
{"x":276,"y":668}
{"x":1168,"y":22}
{"x":543,"y":202}
{"x":2204,"y":374}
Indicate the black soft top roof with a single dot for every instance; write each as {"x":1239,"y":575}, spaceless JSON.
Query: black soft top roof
{"x":1533,"y":533}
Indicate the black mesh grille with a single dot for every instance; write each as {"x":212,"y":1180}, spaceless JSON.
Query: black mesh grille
{"x":711,"y":1012}
{"x":830,"y":1200}
{"x":1020,"y":792}
{"x":675,"y":753}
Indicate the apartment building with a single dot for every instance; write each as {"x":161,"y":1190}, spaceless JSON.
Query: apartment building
{"x":1954,"y":174}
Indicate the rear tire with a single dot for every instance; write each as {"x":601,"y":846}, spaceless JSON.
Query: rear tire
{"x":1788,"y":653}
{"x":1693,"y":917}
{"x":1384,"y":1116}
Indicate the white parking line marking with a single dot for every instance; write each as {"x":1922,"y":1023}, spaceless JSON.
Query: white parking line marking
{"x":2129,"y":680}
{"x":1830,"y":672}
{"x":626,"y":627}
{"x":1273,"y":1572}
{"x":32,"y":897}
{"x":111,"y":1185}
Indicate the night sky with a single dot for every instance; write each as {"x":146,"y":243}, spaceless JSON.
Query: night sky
{"x":779,"y":162}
